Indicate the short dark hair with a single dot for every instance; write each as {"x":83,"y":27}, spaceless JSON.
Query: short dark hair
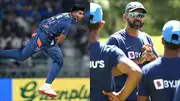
{"x":172,"y":46}
{"x":94,"y":26}
{"x":78,"y":7}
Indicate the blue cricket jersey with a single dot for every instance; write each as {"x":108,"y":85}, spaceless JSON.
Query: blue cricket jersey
{"x":131,"y":46}
{"x":102,"y":59}
{"x":58,"y":24}
{"x":160,"y":79}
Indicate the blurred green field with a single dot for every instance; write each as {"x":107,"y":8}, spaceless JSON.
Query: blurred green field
{"x":156,"y":40}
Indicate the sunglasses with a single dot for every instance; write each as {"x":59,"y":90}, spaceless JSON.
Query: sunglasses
{"x":137,"y":14}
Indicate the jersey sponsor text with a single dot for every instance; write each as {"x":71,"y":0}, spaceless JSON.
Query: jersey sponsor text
{"x":96,"y":64}
{"x":162,"y":84}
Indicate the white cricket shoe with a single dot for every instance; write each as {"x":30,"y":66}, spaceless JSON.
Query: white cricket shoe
{"x":47,"y":90}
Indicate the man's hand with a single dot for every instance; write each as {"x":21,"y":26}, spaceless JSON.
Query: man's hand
{"x":146,"y":47}
{"x":147,"y":52}
{"x":112,"y":96}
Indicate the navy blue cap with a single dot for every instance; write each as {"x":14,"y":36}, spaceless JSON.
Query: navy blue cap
{"x":134,"y":5}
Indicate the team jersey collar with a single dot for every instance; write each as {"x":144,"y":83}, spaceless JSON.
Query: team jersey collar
{"x":131,"y":36}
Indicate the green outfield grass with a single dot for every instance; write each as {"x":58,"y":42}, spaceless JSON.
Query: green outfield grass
{"x":156,"y":40}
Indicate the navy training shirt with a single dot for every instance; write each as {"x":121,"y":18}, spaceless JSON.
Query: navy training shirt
{"x":160,"y":79}
{"x":131,"y":46}
{"x":102,"y":59}
{"x":58,"y":24}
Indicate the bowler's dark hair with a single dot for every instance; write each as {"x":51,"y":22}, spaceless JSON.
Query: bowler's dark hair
{"x":78,"y":7}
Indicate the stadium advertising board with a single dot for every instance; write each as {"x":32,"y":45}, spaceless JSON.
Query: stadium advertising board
{"x":68,"y":89}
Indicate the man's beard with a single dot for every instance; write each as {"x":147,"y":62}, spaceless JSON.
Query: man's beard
{"x":137,"y":24}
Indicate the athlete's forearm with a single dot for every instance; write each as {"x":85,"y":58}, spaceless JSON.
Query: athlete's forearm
{"x":134,"y":73}
{"x":133,"y":79}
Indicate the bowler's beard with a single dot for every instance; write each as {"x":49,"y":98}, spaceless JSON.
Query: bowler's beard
{"x":137,"y":24}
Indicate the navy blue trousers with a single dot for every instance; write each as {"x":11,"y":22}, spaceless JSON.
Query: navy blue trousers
{"x":39,"y":42}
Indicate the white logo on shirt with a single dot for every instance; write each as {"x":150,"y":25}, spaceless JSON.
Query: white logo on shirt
{"x":95,"y":64}
{"x":133,"y":55}
{"x":162,"y":84}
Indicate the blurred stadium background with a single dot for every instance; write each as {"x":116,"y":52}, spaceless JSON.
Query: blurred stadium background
{"x":18,"y":19}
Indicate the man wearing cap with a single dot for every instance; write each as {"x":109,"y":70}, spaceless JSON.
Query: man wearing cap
{"x":132,"y":41}
{"x":104,"y":58}
{"x":161,"y":77}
